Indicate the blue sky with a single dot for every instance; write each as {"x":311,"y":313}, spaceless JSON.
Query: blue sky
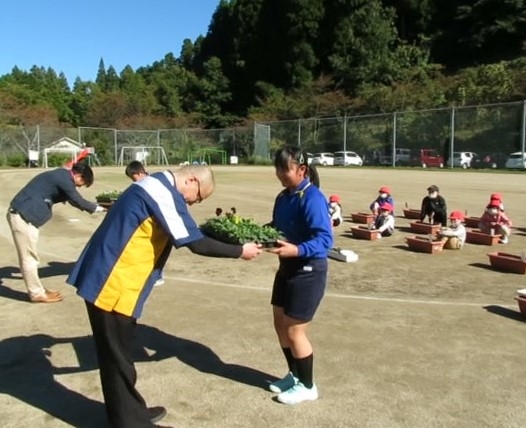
{"x":73,"y":35}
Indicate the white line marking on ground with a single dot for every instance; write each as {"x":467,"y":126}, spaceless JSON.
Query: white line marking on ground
{"x":339,"y":296}
{"x":331,"y":295}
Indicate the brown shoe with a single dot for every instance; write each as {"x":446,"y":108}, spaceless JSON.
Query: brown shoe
{"x":47,"y":297}
{"x":52,"y":292}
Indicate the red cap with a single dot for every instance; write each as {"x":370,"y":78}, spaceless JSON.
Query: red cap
{"x":456,"y":215}
{"x":384,"y":189}
{"x":494,"y":203}
{"x":496,"y":196}
{"x":386,"y":207}
{"x":334,"y":198}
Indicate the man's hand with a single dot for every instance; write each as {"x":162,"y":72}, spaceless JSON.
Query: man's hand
{"x":285,"y":249}
{"x":100,"y":209}
{"x":250,"y":251}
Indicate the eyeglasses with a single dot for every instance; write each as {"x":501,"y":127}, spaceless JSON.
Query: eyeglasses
{"x":199,"y":197}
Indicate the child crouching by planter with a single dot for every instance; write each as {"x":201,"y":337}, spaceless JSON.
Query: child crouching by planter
{"x":454,"y":236}
{"x":385,"y":221}
{"x":495,"y":222}
{"x":335,"y":210}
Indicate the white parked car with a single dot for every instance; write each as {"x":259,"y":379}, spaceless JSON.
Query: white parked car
{"x":463,"y":159}
{"x":325,"y":159}
{"x":516,"y":160}
{"x":347,"y":158}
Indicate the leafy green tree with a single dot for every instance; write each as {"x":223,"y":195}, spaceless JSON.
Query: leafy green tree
{"x":139,"y":98}
{"x":478,"y":31}
{"x":364,"y":40}
{"x":213,"y":93}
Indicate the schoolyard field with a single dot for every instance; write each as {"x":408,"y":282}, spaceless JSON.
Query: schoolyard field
{"x":402,"y":339}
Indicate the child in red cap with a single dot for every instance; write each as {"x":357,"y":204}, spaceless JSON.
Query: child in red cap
{"x":494,"y":221}
{"x":454,"y":236}
{"x":497,"y":197}
{"x":385,"y":221}
{"x":335,"y":210}
{"x":384,"y":197}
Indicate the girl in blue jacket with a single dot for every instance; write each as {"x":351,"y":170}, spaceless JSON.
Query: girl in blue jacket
{"x":300,"y":214}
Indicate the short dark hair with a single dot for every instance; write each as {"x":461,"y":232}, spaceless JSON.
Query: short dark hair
{"x":293,"y":154}
{"x":134,"y":167}
{"x":85,"y":171}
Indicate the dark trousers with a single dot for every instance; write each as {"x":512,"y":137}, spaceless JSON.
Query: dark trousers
{"x":113,"y":335}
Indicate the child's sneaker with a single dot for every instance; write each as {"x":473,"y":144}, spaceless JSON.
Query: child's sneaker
{"x":298,"y":393}
{"x":284,"y":384}
{"x":503,"y":240}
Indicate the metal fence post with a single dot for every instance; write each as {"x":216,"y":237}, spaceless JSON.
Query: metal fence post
{"x":344,"y":133}
{"x":393,"y":160}
{"x":523,"y":132}
{"x":299,"y":132}
{"x":452,"y":138}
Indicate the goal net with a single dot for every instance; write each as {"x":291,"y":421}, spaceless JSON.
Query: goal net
{"x":147,"y":155}
{"x":261,"y":141}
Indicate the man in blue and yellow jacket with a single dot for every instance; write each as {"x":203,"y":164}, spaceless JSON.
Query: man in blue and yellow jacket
{"x":119,"y":265}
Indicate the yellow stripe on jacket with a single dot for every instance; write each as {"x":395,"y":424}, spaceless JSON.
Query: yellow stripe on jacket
{"x":132,"y":269}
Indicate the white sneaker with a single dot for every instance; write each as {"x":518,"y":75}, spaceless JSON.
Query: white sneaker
{"x":160,"y":281}
{"x":298,"y":393}
{"x":282,"y":385}
{"x":503,"y":240}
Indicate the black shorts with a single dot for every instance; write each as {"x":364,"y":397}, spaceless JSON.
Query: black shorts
{"x":299,"y":286}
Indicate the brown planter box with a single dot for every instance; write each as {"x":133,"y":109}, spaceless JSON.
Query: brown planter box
{"x":364,"y":218}
{"x":507,"y":262}
{"x":522,"y":304}
{"x":412,"y":213}
{"x":424,"y":245}
{"x":472,"y":222}
{"x":480,"y":238}
{"x":363,"y":232}
{"x":425,"y":228}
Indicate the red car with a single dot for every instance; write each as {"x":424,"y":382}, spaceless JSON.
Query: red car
{"x":427,"y":158}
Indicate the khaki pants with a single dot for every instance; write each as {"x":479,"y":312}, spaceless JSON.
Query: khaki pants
{"x":451,"y":243}
{"x":25,"y":236}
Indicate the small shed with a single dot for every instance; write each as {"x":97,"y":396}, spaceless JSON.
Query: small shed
{"x":63,"y":145}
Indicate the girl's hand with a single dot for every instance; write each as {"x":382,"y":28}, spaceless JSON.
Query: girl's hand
{"x":285,"y":249}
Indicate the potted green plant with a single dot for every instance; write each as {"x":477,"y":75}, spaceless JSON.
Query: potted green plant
{"x":107,"y":198}
{"x":232,"y":228}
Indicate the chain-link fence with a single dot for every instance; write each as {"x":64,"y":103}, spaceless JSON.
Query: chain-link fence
{"x":491,"y":131}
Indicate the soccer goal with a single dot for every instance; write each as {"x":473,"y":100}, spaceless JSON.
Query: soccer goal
{"x":147,"y":155}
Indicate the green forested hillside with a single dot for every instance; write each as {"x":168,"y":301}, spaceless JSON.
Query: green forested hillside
{"x":279,"y":59}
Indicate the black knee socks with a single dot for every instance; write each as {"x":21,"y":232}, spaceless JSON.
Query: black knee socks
{"x":304,"y":367}
{"x":290,"y":361}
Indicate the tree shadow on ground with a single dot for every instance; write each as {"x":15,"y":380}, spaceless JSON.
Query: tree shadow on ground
{"x":505,"y":312}
{"x":406,"y":229}
{"x":28,"y":374}
{"x":13,"y":273}
{"x":51,"y":269}
{"x":195,"y":355}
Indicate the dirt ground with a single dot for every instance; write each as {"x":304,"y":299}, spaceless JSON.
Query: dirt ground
{"x":402,"y":339}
